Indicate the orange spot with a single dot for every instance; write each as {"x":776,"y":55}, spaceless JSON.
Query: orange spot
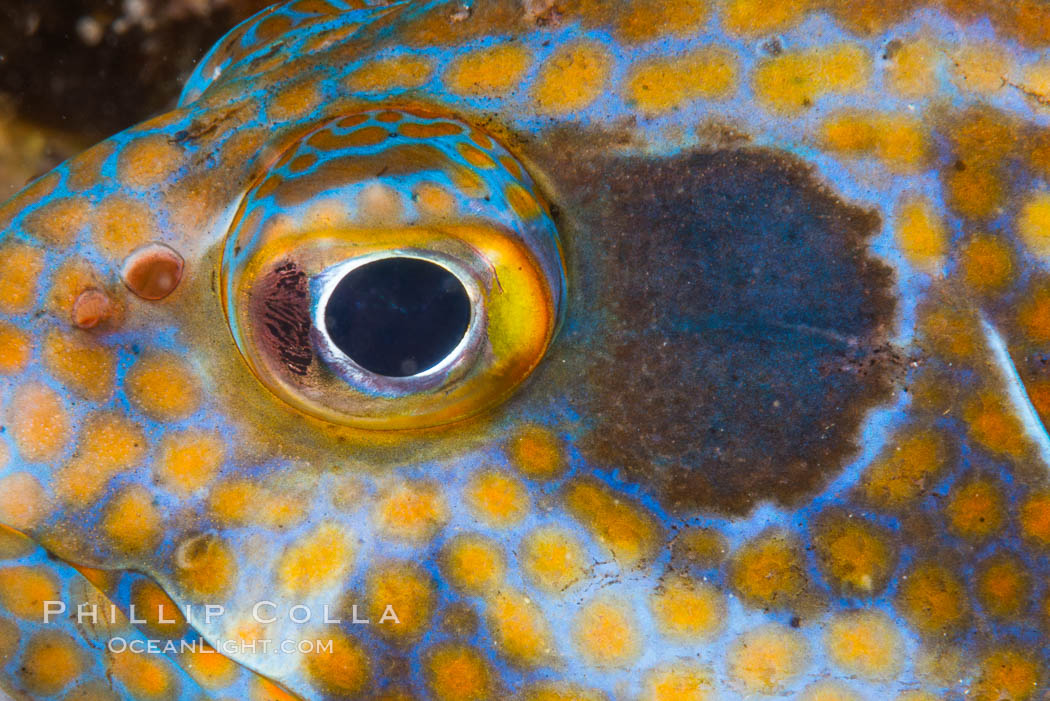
{"x":489,"y":72}
{"x":572,"y":78}
{"x":386,"y":74}
{"x":1034,"y":312}
{"x":912,"y":71}
{"x":994,"y":426}
{"x":365,"y":136}
{"x":794,"y":81}
{"x":161,"y":614}
{"x":763,"y":660}
{"x":79,"y":361}
{"x":552,"y":559}
{"x":205,"y":567}
{"x":120,"y":226}
{"x":317,"y":562}
{"x":86,"y":169}
{"x":23,"y":591}
{"x":951,"y":332}
{"x":9,"y":640}
{"x":295,"y":102}
{"x":58,"y":222}
{"x":242,"y":502}
{"x":687,"y":609}
{"x":757,"y":17}
{"x":131,"y":521}
{"x":1006,"y":673}
{"x":828,"y":691}
{"x":703,"y":547}
{"x":411,"y":511}
{"x":521,"y":201}
{"x":34,"y":193}
{"x":1033,"y":224}
{"x":627,"y":531}
{"x":104,"y":580}
{"x":265,"y":690}
{"x":865,"y":643}
{"x":108,"y":444}
{"x":606,"y":633}
{"x":856,"y":555}
{"x":519,"y":629}
{"x":497,"y":498}
{"x":344,"y":669}
{"x":682,"y":681}
{"x":146,"y":677}
{"x":50,"y":662}
{"x":1004,"y":586}
{"x":434,"y":201}
{"x":189,"y":460}
{"x":148,"y":161}
{"x":662,"y":85}
{"x":932,"y":599}
{"x":975,"y":191}
{"x":645,"y":20}
{"x":23,"y":501}
{"x":976,"y":509}
{"x":20,"y":268}
{"x":473,"y":563}
{"x":921,"y":235}
{"x":163,"y":387}
{"x":476,"y":157}
{"x":379,"y":205}
{"x":209,"y":668}
{"x":986,"y":263}
{"x":1035,"y":519}
{"x":768,"y":571}
{"x":15,"y":349}
{"x":389,"y":116}
{"x":1039,"y":393}
{"x":408,"y":592}
{"x":458,"y":673}
{"x":415,"y":130}
{"x":38,"y":422}
{"x":909,"y":467}
{"x":981,"y":68}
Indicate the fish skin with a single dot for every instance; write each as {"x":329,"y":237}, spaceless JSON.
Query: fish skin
{"x":770,"y":422}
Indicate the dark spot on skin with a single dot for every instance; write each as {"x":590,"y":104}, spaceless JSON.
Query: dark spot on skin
{"x":773,"y":46}
{"x":892,"y":47}
{"x":281,"y":307}
{"x":728,"y":322}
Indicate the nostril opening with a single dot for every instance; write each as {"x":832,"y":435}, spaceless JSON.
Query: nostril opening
{"x":398,"y":316}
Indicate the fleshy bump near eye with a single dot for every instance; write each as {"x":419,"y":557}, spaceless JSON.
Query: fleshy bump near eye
{"x":393,"y":270}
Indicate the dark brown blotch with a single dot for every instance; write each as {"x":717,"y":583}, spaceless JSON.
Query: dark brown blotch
{"x":728,"y":325}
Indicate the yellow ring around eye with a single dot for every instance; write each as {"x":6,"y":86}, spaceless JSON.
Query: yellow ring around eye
{"x":281,"y":263}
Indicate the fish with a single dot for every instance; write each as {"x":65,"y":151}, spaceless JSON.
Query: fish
{"x":543,"y":349}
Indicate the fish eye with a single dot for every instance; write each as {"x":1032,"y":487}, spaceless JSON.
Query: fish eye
{"x":396,"y":317}
{"x":393,"y":270}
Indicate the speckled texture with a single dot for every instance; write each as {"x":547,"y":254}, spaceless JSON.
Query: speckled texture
{"x":755,"y":407}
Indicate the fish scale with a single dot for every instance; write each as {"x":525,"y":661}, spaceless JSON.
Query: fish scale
{"x":752,"y":400}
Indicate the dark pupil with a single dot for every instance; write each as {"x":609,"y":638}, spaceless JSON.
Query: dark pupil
{"x":397,"y":316}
